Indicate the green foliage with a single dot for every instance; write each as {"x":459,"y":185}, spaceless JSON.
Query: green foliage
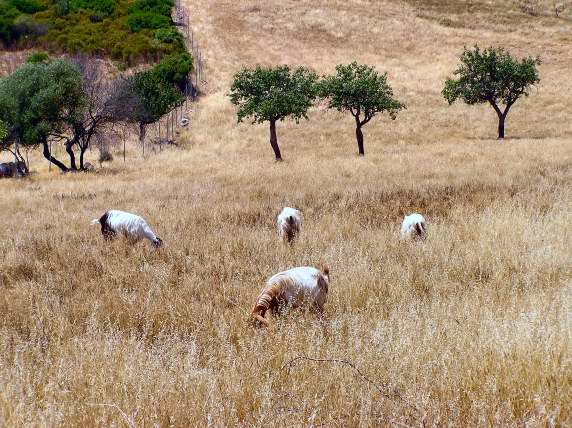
{"x":158,"y":7}
{"x":127,"y":31}
{"x":491,"y":75}
{"x":15,"y":19}
{"x":38,"y":99}
{"x":360,"y":90}
{"x":154,"y":96}
{"x":8,"y":15}
{"x":168,"y":35}
{"x":175,"y":68}
{"x":3,"y":131}
{"x":105,"y":7}
{"x":273,"y":93}
{"x":151,"y":14}
{"x":27,"y":6}
{"x":38,"y":57}
{"x":140,"y":20}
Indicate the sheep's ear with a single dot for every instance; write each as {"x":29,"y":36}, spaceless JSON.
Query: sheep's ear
{"x":418,"y":229}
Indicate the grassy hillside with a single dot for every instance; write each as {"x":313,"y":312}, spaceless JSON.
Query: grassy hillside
{"x":470,"y":328}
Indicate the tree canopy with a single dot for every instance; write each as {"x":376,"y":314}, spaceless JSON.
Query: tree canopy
{"x":155,"y":96}
{"x":492,"y":76}
{"x":271,"y":94}
{"x":175,"y":68}
{"x":362,"y":91}
{"x":149,"y":97}
{"x":38,"y":100}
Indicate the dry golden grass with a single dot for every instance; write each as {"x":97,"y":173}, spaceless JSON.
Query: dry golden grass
{"x":472,"y":327}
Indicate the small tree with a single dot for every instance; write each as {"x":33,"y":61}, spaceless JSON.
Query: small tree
{"x":363,"y":92}
{"x":492,"y":76}
{"x":270,"y":94}
{"x":150,"y":97}
{"x":103,"y":107}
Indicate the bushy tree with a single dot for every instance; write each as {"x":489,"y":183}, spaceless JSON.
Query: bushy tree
{"x":175,"y":68}
{"x":38,"y":101}
{"x":492,"y":76}
{"x":149,"y":97}
{"x":362,"y":91}
{"x":272,"y":94}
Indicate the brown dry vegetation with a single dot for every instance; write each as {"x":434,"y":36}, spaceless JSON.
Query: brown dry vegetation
{"x":472,"y":327}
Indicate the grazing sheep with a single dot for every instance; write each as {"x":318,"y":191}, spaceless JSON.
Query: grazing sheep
{"x":300,"y":286}
{"x":414,"y":226}
{"x":130,"y":225}
{"x":289,"y":224}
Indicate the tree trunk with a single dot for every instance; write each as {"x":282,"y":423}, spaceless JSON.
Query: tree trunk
{"x":52,"y":159}
{"x":274,"y":141}
{"x":359,"y":137}
{"x":501,"y":115}
{"x":69,"y":149}
{"x":502,"y":118}
{"x":82,"y":150}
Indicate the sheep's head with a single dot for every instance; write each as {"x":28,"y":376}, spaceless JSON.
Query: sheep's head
{"x":324,"y":279}
{"x":158,"y":242}
{"x":421,"y":231}
{"x":258,"y":320}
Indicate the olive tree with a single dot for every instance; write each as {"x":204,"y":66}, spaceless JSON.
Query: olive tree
{"x":362,"y":91}
{"x":38,"y":101}
{"x":272,"y":94}
{"x":492,"y":76}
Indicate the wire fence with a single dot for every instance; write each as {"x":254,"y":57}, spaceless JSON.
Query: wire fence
{"x":168,"y":127}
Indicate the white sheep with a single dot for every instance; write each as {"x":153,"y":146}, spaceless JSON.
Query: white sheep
{"x":414,"y":226}
{"x":132,"y":226}
{"x":300,"y":286}
{"x":289,"y":223}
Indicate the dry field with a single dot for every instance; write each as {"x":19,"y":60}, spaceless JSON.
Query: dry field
{"x":471,"y":328}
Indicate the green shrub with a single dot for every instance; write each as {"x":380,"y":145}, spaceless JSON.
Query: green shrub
{"x":139,"y":20}
{"x":168,"y":35}
{"x":27,"y":6}
{"x":159,"y":7}
{"x":37,"y":57}
{"x":102,"y":7}
{"x":175,"y":68}
{"x":8,"y":15}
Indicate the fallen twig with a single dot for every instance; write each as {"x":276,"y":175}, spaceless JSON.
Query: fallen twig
{"x":396,"y":393}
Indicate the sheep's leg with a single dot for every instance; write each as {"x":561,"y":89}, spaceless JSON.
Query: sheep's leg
{"x":107,"y":233}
